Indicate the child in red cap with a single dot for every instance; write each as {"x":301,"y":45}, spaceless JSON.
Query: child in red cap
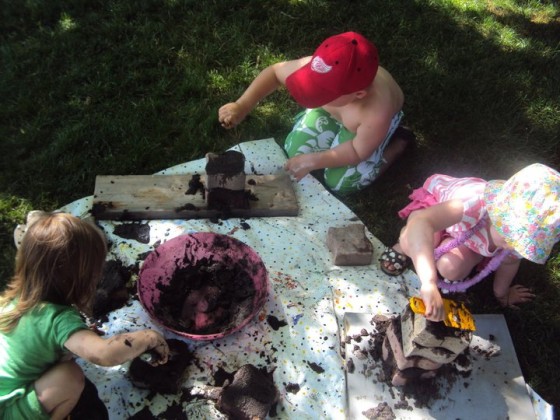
{"x":353,"y":112}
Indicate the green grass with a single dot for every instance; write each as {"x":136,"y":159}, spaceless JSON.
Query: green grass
{"x":133,"y":87}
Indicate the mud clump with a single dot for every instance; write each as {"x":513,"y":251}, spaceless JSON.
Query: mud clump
{"x":112,"y":292}
{"x":166,"y":378}
{"x":137,"y":231}
{"x":383,"y":412}
{"x":250,"y":395}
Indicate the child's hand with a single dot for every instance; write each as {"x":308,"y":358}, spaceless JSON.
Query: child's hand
{"x":231,"y":114}
{"x":300,"y":165}
{"x":433,"y":302}
{"x":161,"y":348}
{"x":516,"y":294}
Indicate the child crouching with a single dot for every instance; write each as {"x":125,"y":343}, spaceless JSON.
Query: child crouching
{"x":58,"y":265}
{"x":455,"y":224}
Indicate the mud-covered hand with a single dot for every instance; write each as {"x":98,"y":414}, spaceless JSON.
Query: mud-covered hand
{"x":516,"y":294}
{"x":161,"y":348}
{"x":231,"y":114}
{"x":300,"y":165}
{"x":433,"y":302}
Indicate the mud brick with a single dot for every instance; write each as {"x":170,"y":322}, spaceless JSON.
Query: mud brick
{"x":225,"y":170}
{"x":224,"y":200}
{"x":418,"y":331}
{"x":435,"y":354}
{"x":349,"y":245}
{"x":393,"y":343}
{"x":401,"y":378}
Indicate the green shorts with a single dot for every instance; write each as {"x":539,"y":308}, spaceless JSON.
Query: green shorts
{"x":315,"y":130}
{"x":26,"y":406}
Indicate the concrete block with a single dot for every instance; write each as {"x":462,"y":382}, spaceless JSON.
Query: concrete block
{"x":349,"y":245}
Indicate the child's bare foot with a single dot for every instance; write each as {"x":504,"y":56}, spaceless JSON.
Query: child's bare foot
{"x":516,"y":294}
{"x":402,"y":139}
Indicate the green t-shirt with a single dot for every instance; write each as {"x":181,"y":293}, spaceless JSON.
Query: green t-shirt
{"x":33,"y":346}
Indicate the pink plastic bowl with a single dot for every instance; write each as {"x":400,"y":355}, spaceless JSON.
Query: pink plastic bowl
{"x":160,"y":265}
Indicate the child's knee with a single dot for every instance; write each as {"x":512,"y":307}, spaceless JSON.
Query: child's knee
{"x":341,"y":189}
{"x":449,"y":269}
{"x":60,"y":387}
{"x":343,"y":180}
{"x":74,"y":377}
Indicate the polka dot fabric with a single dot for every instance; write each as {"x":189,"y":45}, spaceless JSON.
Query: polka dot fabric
{"x":298,"y":333}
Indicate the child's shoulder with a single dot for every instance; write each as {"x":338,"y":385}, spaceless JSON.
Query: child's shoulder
{"x":47,"y":312}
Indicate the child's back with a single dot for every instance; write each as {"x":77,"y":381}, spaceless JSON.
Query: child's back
{"x":58,"y":265}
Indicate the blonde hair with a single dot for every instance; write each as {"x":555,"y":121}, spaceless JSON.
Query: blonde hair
{"x":60,"y":260}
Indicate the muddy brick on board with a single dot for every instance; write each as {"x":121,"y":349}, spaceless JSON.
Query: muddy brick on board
{"x":225,"y":170}
{"x":393,"y":343}
{"x":417,"y":331}
{"x":349,"y":245}
{"x":405,"y":376}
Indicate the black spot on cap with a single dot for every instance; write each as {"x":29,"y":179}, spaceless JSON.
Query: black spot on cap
{"x":354,"y":42}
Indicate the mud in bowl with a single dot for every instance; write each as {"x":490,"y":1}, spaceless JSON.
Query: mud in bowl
{"x":203,"y":286}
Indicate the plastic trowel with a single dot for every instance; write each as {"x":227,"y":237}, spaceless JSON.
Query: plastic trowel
{"x":456,"y":313}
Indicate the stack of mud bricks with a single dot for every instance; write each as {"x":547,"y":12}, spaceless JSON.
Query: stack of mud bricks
{"x":415,"y":348}
{"x":225,"y":181}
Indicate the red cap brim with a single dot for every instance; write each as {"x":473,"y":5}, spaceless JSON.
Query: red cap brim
{"x":308,"y":94}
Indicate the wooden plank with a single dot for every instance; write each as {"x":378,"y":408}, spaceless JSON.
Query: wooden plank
{"x":148,"y":197}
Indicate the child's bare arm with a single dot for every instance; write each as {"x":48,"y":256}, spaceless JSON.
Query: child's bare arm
{"x":264,"y":84}
{"x":341,"y":155}
{"x":117,"y":349}
{"x":417,"y":241}
{"x":506,"y":294}
{"x":369,"y":136}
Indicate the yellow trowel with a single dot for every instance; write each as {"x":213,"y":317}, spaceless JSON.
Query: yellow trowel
{"x":456,"y":313}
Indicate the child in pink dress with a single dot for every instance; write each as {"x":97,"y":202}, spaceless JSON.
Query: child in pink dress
{"x":467,"y":220}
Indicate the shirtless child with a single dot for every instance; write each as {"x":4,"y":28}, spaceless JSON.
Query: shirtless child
{"x":353,"y":109}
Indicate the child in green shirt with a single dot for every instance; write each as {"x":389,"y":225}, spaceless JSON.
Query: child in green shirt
{"x":58,"y":266}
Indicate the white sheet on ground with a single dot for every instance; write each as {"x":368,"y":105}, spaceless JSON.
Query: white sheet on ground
{"x":307,"y":292}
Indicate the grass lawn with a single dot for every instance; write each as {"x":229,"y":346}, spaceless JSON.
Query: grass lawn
{"x":93,"y":87}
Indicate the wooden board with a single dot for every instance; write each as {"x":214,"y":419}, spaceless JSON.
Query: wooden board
{"x":148,"y":197}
